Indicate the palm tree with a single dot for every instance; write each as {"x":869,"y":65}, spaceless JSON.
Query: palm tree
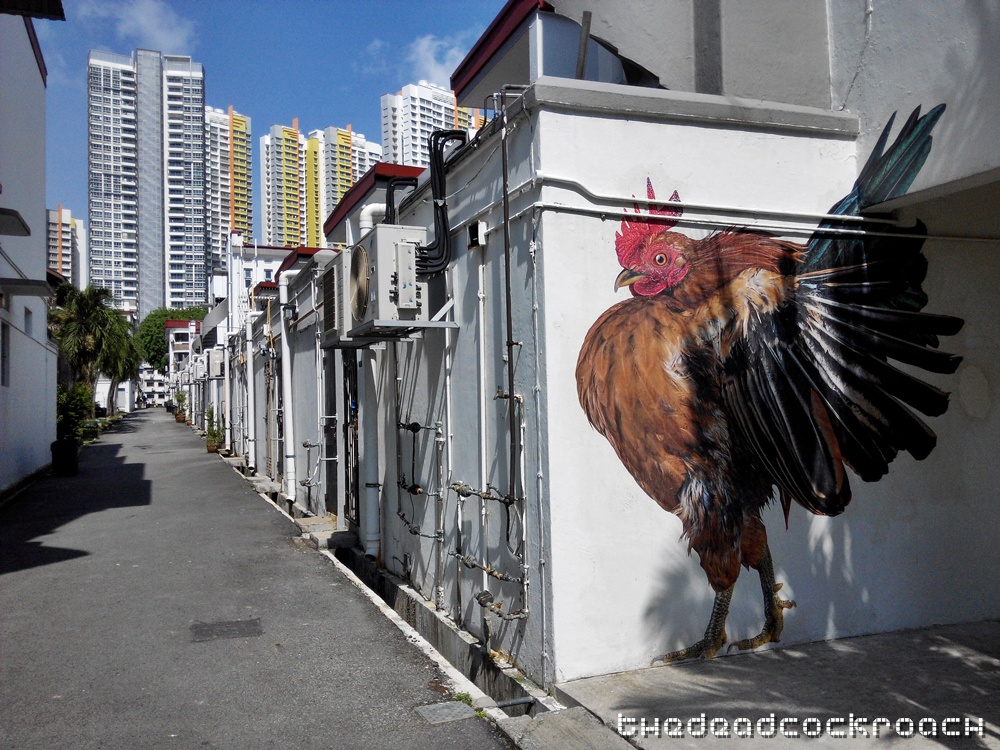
{"x":93,"y":336}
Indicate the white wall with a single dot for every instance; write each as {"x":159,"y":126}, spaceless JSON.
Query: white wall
{"x":911,"y":550}
{"x":923,"y":54}
{"x":307,"y":373}
{"x":450,"y":378}
{"x":617,"y":588}
{"x":28,"y":404}
{"x":624,"y":590}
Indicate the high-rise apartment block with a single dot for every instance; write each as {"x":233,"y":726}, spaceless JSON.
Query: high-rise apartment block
{"x":228,"y":181}
{"x":346,"y":156}
{"x":303,"y":178}
{"x":146,"y":159}
{"x":283,"y":180}
{"x":67,"y":245}
{"x":409,"y":117}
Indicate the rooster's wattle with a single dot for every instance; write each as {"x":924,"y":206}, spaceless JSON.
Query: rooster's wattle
{"x":746,"y":367}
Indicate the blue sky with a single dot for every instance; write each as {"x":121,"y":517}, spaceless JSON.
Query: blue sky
{"x":327,"y":62}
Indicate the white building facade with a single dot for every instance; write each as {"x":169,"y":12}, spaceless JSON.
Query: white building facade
{"x":28,"y":357}
{"x":410,"y":116}
{"x":146,"y":159}
{"x":112,"y":160}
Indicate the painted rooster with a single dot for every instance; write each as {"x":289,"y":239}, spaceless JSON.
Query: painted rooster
{"x":747,"y":368}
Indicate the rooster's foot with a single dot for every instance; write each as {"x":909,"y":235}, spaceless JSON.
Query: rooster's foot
{"x":703,"y":649}
{"x":773,"y":624}
{"x":715,"y":635}
{"x":774,"y":606}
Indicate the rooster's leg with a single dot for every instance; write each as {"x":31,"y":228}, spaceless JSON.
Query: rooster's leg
{"x":774,"y":618}
{"x":715,"y":635}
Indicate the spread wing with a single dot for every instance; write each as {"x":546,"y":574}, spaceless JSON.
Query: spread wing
{"x":811,"y":387}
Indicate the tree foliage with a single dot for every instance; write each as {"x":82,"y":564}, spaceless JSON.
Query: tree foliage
{"x":151,"y":340}
{"x":93,"y":336}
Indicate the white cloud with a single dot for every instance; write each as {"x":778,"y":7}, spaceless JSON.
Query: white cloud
{"x":149,"y":24}
{"x":434,"y":59}
{"x":373,"y":62}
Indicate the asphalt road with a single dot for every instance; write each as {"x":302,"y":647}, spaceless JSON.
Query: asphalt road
{"x":155,"y":601}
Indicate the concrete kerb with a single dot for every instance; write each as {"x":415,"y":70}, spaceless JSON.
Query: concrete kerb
{"x":555,"y":726}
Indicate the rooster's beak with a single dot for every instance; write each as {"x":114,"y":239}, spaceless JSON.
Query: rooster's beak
{"x":628,"y":277}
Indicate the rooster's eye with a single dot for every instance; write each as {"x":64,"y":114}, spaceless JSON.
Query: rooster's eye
{"x":660,"y":259}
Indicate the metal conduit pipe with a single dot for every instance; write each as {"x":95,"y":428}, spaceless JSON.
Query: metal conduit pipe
{"x":288,"y":412}
{"x":509,"y":305}
{"x":484,"y":403}
{"x":539,"y":463}
{"x":447,"y":444}
{"x":439,"y":441}
{"x":320,"y":394}
{"x":807,"y":231}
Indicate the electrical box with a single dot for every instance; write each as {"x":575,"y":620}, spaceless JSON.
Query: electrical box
{"x":383,"y":277}
{"x":371,"y":292}
{"x":216,"y":363}
{"x":199,"y":369}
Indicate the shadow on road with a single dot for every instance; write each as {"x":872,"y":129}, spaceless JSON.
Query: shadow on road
{"x":104,"y":481}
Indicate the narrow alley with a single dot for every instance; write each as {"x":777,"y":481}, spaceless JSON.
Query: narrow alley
{"x":155,"y":600}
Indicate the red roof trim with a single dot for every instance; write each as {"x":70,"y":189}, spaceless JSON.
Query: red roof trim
{"x":180,"y":323}
{"x":292,"y":258}
{"x":496,"y":35}
{"x":368,"y":182}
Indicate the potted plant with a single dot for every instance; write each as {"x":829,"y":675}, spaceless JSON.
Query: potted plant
{"x":72,"y":410}
{"x":214,"y":434}
{"x":179,"y":398}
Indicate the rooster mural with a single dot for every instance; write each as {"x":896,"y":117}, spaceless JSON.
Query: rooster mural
{"x":746,"y":367}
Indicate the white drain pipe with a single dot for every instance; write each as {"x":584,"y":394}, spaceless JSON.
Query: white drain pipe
{"x":368,"y":397}
{"x":287,"y":407}
{"x":367,"y":219}
{"x":251,"y":415}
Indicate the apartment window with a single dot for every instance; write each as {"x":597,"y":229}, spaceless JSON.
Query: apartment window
{"x":29,"y":323}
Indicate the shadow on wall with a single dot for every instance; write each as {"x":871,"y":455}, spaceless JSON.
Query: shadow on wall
{"x":971,"y":72}
{"x":54,"y":502}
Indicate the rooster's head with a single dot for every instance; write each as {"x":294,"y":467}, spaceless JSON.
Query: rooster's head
{"x":653,"y":258}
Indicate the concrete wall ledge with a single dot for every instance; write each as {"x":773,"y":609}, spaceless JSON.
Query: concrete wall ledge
{"x":458,"y":647}
{"x":616,"y":100}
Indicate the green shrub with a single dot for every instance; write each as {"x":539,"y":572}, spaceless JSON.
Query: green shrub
{"x":72,"y":410}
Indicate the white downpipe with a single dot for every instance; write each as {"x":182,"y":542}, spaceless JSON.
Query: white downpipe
{"x":367,"y":218}
{"x":287,"y":406}
{"x":225,"y":415}
{"x":369,"y":400}
{"x":251,"y":414}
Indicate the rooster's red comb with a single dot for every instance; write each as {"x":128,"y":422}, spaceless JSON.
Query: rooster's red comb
{"x":634,"y":232}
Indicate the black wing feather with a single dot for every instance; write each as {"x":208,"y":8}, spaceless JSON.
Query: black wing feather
{"x":810,"y":387}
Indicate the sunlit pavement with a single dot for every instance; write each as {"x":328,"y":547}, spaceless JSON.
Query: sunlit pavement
{"x":155,"y":600}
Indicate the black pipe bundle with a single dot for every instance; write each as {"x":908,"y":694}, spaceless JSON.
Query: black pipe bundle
{"x":390,"y":196}
{"x":435,"y":257}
